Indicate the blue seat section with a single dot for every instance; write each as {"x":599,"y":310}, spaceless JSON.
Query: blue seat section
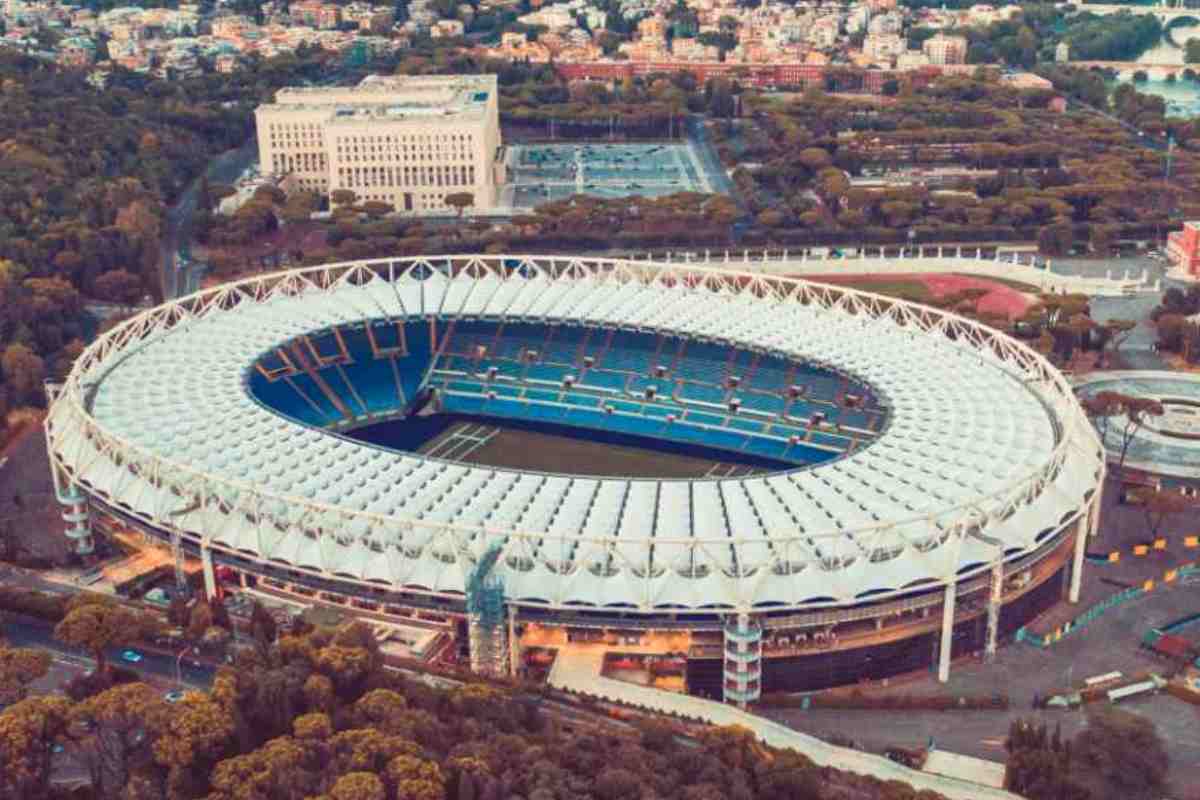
{"x":603,"y":379}
{"x":283,"y":397}
{"x":372,"y":377}
{"x":350,"y":398}
{"x":770,"y":375}
{"x":702,"y":392}
{"x":563,"y":347}
{"x":688,"y":406}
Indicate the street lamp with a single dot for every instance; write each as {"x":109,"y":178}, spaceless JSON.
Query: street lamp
{"x":179,"y":667}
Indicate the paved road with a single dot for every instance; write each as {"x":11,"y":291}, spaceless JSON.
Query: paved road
{"x":158,"y":668}
{"x":225,"y":168}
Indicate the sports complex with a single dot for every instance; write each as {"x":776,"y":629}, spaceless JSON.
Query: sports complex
{"x":544,"y":173}
{"x":834,"y":486}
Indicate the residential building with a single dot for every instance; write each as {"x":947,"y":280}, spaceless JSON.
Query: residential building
{"x":446,"y":29}
{"x":1183,"y":248}
{"x":315,"y":14}
{"x":884,"y":46}
{"x":1062,"y":52}
{"x":1026,"y":80}
{"x":890,"y":22}
{"x":942,"y":49}
{"x":408,"y":141}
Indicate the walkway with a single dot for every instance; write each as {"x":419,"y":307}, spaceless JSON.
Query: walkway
{"x":577,"y":669}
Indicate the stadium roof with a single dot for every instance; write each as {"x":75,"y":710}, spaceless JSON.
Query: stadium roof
{"x":986,"y":449}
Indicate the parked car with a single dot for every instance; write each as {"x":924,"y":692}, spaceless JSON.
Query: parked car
{"x":173,"y":696}
{"x":131,"y":656}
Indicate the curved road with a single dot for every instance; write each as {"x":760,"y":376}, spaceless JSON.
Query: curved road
{"x":179,"y":279}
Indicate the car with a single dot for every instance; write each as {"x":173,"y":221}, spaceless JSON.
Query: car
{"x":173,"y":696}
{"x":131,"y":656}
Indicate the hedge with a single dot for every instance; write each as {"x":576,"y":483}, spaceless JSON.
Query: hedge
{"x":857,"y":701}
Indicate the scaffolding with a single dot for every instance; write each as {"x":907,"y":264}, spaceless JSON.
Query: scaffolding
{"x":486,"y":616}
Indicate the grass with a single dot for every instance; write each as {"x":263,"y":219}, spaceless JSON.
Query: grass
{"x":1018,"y":285}
{"x":913,"y":290}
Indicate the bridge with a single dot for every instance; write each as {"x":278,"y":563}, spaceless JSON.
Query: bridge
{"x":1164,"y":12}
{"x":1127,"y":68}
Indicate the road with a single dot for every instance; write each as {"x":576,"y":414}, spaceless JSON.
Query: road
{"x":180,"y":280}
{"x":158,"y":668}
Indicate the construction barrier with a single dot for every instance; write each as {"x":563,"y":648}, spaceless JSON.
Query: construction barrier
{"x":1159,"y":544}
{"x":1082,"y":621}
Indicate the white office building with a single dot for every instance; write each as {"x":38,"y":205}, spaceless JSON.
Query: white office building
{"x":404,"y":140}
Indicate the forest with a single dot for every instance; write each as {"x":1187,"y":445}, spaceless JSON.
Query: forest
{"x":86,"y":178}
{"x":311,"y":713}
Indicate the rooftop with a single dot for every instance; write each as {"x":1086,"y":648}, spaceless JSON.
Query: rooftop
{"x":393,"y":97}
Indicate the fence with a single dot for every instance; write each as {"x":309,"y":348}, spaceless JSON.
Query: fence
{"x":1157,"y":545}
{"x":1093,"y":613}
{"x":916,"y":259}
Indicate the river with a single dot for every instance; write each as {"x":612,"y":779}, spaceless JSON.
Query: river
{"x":1182,"y":95}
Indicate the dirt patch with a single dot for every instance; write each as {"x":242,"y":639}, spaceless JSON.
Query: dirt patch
{"x":29,"y":512}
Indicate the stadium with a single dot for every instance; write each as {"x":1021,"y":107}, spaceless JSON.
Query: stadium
{"x":905,"y":486}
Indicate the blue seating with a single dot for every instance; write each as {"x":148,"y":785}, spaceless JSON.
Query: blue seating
{"x":625,"y":366}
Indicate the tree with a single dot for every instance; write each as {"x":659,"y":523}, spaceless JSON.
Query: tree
{"x":460,"y":201}
{"x":118,"y":286}
{"x":1101,"y":407}
{"x":1158,"y":504}
{"x":415,"y":778}
{"x":1056,"y":240}
{"x":200,"y":619}
{"x":20,"y":667}
{"x":1114,"y":333}
{"x":358,"y":786}
{"x":23,"y":373}
{"x":1191,"y":50}
{"x":196,"y":731}
{"x":299,"y":207}
{"x":112,"y":731}
{"x":262,"y":627}
{"x":279,"y":770}
{"x":1136,"y":410}
{"x":343,"y":197}
{"x":1125,"y":755}
{"x":96,"y":624}
{"x":28,"y":733}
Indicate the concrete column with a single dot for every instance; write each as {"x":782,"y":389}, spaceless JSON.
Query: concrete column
{"x":210,"y":577}
{"x":514,"y":647}
{"x":1097,"y":505}
{"x":1081,"y":535}
{"x":995,"y":600}
{"x":947,"y":632}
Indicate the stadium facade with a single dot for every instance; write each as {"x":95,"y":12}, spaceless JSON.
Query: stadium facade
{"x":935,"y":481}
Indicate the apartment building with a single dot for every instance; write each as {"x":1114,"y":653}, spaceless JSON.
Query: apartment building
{"x":883,"y":46}
{"x":408,"y":141}
{"x":942,"y":49}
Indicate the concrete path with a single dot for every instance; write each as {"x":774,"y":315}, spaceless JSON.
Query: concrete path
{"x":577,"y":669}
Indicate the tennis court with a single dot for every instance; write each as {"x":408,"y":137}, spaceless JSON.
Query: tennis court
{"x":544,"y":173}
